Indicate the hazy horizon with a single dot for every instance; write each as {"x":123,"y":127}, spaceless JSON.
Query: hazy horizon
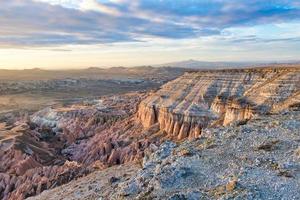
{"x":165,"y":64}
{"x":72,"y":34}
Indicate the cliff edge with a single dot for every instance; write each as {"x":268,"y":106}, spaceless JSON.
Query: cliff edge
{"x":196,"y":100}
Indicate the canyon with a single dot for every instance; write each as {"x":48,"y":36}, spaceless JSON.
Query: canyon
{"x":56,"y":145}
{"x":132,"y":134}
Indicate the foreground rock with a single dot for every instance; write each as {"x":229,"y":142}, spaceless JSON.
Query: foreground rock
{"x":259,"y":160}
{"x":185,"y":106}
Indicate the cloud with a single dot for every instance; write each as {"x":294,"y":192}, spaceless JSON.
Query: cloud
{"x":61,"y":22}
{"x":95,"y":6}
{"x":255,"y":39}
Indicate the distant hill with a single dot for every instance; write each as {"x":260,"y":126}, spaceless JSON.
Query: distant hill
{"x":142,"y":72}
{"x":171,"y":70}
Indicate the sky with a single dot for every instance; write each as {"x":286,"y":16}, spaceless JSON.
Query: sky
{"x":57,"y":34}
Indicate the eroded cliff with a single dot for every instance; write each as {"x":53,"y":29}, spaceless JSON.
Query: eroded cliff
{"x":184,"y":106}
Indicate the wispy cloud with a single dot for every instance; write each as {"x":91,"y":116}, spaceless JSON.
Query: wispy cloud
{"x":61,"y":22}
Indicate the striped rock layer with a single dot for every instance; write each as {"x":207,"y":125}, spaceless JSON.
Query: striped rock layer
{"x":186,"y":105}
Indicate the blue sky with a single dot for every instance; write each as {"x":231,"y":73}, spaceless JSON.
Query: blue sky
{"x":83,"y":33}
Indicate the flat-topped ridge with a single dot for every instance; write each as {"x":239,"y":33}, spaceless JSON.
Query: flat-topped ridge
{"x":198,"y":99}
{"x":287,"y":67}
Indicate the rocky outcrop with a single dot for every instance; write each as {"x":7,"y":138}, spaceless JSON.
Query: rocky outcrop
{"x":258,"y":160}
{"x":184,"y":106}
{"x":81,"y":121}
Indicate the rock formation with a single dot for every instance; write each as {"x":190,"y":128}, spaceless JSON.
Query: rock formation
{"x":35,"y":154}
{"x":186,"y":105}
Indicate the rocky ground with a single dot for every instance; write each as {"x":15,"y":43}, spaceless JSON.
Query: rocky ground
{"x":93,"y":186}
{"x":257,"y":160}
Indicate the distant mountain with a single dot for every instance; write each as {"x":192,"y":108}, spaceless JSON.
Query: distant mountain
{"x":195,"y":64}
